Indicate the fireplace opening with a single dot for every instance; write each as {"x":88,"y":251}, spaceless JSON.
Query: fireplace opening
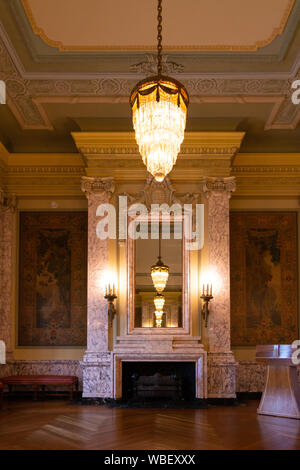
{"x":158,"y":381}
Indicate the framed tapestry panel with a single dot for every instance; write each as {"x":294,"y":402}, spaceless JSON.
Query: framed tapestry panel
{"x":53,"y":279}
{"x":264,"y":293}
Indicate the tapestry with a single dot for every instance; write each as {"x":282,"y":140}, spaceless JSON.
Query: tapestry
{"x":53,"y":279}
{"x":263,"y":266}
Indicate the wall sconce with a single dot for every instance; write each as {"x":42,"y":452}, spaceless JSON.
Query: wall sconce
{"x":206,"y":297}
{"x":110,"y":296}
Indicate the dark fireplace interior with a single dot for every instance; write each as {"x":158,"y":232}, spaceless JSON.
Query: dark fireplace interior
{"x":158,"y":381}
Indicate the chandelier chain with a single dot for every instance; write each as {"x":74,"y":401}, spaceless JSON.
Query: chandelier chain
{"x":159,"y":108}
{"x":159,"y":37}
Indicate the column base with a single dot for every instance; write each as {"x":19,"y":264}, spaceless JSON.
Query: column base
{"x":221,"y":367}
{"x":97,"y":375}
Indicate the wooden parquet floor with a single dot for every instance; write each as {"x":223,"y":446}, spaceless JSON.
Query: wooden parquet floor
{"x":56,"y":424}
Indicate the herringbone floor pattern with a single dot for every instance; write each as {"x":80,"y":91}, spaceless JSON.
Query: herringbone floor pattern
{"x":55,"y":424}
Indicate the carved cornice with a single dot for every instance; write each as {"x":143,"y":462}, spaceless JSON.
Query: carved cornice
{"x":195,"y":143}
{"x":45,"y":170}
{"x":201,"y":154}
{"x":97,"y":185}
{"x":266,"y":170}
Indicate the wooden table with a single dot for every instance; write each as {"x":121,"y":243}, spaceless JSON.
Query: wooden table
{"x":281,"y":396}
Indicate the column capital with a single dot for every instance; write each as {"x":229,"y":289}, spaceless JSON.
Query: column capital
{"x":218,"y":185}
{"x":7,"y":201}
{"x":95,"y":185}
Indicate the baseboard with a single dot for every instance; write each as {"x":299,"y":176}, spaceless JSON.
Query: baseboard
{"x":244,"y":396}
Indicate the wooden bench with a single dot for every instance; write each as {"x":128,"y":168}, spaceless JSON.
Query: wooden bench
{"x":281,"y":396}
{"x":37,"y":381}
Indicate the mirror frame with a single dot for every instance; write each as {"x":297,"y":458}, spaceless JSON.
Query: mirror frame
{"x":186,"y":276}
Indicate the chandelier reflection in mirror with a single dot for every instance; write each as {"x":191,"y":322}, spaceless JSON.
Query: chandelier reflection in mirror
{"x":151,"y":308}
{"x":159,"y":109}
{"x":159,"y":302}
{"x":159,"y":272}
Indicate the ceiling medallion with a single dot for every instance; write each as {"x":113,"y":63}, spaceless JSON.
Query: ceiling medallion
{"x":159,"y":109}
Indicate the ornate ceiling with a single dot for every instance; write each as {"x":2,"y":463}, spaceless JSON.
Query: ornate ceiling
{"x":69,"y":66}
{"x":121,"y":26}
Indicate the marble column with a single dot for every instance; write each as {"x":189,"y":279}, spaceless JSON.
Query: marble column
{"x":221,"y":362}
{"x":7,"y":224}
{"x":97,"y":362}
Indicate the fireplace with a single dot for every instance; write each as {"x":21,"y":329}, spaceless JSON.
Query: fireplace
{"x":157,"y":381}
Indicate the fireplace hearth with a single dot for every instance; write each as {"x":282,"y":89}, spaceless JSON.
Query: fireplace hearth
{"x":158,"y":381}
{"x":157,"y":386}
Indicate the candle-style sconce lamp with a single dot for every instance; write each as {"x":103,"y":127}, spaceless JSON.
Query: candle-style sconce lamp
{"x":206,"y":297}
{"x":110,"y":296}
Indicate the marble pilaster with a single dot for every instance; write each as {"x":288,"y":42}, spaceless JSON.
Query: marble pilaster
{"x":221,"y":362}
{"x":97,"y":362}
{"x":7,"y":221}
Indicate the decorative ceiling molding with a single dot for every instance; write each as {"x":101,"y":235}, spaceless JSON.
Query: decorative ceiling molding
{"x":150,"y":65}
{"x":26,"y":98}
{"x":38,"y":30}
{"x":37,"y":54}
{"x":135,"y":74}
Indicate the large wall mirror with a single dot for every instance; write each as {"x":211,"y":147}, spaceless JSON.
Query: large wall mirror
{"x":143,"y":255}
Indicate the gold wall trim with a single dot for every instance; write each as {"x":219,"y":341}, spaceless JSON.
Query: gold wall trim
{"x":124,"y":143}
{"x":218,"y":47}
{"x":205,"y":154}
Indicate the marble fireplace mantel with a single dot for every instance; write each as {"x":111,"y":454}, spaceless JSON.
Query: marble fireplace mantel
{"x":160,"y":348}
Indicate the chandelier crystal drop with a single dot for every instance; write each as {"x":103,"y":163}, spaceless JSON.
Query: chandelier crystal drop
{"x":159,"y":109}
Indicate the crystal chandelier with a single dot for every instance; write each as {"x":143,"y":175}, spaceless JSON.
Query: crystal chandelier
{"x":159,"y":273}
{"x":159,"y":108}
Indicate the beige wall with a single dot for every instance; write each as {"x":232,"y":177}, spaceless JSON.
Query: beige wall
{"x":262,"y":204}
